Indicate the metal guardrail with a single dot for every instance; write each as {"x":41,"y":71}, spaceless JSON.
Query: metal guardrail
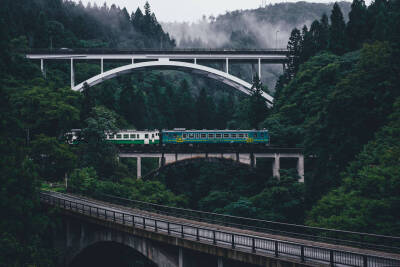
{"x":355,"y":239}
{"x":272,"y":51}
{"x":249,"y":243}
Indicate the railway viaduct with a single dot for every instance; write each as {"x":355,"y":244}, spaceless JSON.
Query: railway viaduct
{"x":245,"y":155}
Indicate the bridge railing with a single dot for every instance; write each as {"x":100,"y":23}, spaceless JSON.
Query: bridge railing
{"x":272,"y":51}
{"x":350,"y":238}
{"x":244,"y":242}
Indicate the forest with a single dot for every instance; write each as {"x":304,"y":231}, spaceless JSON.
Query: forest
{"x":338,"y":99}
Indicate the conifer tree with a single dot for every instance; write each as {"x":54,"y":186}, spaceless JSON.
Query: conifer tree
{"x":356,"y":27}
{"x":324,"y":36}
{"x":294,"y":47}
{"x":336,"y":31}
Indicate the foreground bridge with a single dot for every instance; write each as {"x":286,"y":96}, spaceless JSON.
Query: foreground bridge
{"x":189,"y":60}
{"x":247,"y":155}
{"x":178,"y":241}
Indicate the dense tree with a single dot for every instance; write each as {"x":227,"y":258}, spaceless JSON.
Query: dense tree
{"x":356,"y":27}
{"x":337,"y":31}
{"x":294,"y":47}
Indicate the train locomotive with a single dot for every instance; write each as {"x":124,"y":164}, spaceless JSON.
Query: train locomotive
{"x":183,"y":136}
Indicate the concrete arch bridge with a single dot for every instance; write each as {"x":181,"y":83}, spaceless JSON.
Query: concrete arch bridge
{"x":188,"y":60}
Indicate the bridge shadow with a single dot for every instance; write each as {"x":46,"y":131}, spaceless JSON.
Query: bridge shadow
{"x":108,"y":254}
{"x":181,"y":163}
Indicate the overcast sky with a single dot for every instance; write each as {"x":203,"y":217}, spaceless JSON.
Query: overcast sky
{"x":192,"y":10}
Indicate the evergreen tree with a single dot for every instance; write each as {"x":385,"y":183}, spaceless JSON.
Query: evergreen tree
{"x":336,"y":31}
{"x":257,"y":106}
{"x":323,"y":39}
{"x":294,"y":47}
{"x":307,"y":45}
{"x":356,"y":27}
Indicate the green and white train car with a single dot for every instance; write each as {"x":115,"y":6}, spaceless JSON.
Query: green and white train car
{"x":126,"y":137}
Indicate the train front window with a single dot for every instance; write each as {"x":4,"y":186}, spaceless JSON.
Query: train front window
{"x":152,"y":136}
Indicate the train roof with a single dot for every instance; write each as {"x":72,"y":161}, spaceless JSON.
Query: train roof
{"x":206,"y":131}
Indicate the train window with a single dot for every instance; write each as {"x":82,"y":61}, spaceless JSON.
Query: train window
{"x":119,"y":136}
{"x":133,"y":136}
{"x":126,"y":136}
{"x":210,"y":135}
{"x":218,"y":135}
{"x":191,"y":135}
{"x":146,"y":136}
{"x":152,"y":136}
{"x":233,"y":135}
{"x":111,"y":136}
{"x":184,"y":135}
{"x":226,"y":135}
{"x":197,"y":136}
{"x":241,"y":135}
{"x":255,"y":135}
{"x":203,"y":135}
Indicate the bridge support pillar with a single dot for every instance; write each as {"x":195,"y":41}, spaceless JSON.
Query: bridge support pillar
{"x":220,"y":262}
{"x":276,"y":166}
{"x":227,"y":66}
{"x":180,"y":257}
{"x":259,"y":68}
{"x":72,"y":74}
{"x":300,"y":168}
{"x":139,"y":167}
{"x":102,"y":65}
{"x":42,"y":67}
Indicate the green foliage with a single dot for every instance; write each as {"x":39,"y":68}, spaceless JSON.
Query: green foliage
{"x":368,"y":199}
{"x":85,"y":181}
{"x":336,"y":42}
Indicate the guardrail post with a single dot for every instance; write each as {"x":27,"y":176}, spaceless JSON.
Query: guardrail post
{"x":123,"y":218}
{"x":133,"y":220}
{"x":97,"y":212}
{"x":233,"y":241}
{"x":214,"y":241}
{"x":302,"y":253}
{"x":144,"y":223}
{"x":182,"y":231}
{"x":331,"y":258}
{"x":155,"y":225}
{"x":365,"y":261}
{"x":105,"y":214}
{"x":114,"y":216}
{"x":90,"y":211}
{"x":253,"y":245}
{"x":168,"y":228}
{"x":276,"y":249}
{"x":197,"y":234}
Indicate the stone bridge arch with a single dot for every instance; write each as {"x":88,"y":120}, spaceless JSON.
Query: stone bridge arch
{"x":79,"y":235}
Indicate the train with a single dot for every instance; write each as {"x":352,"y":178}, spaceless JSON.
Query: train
{"x":182,"y":136}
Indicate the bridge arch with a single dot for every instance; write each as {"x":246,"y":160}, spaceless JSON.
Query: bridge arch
{"x":83,"y":235}
{"x":109,"y":253}
{"x":186,"y":161}
{"x":212,"y":73}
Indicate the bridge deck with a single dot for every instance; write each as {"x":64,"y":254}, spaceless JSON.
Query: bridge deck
{"x":312,"y":253}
